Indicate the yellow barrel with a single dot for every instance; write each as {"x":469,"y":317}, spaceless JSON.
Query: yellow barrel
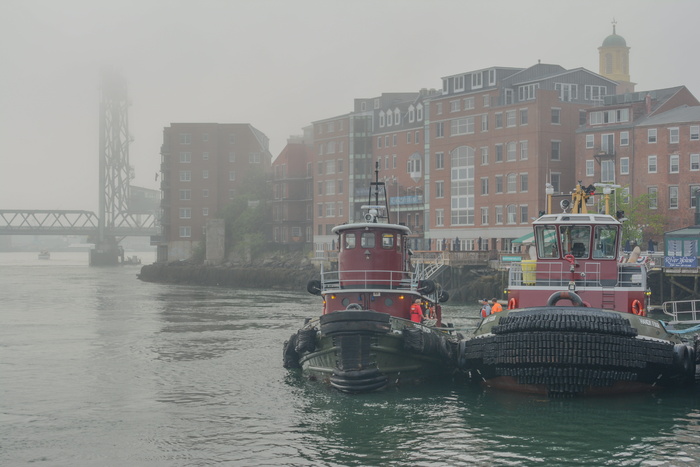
{"x":529,"y":271}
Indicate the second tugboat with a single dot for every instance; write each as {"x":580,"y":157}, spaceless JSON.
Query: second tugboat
{"x":577,"y":322}
{"x":381,"y":323}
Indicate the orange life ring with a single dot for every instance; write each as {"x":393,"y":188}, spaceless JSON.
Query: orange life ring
{"x":637,"y":308}
{"x":512,"y":303}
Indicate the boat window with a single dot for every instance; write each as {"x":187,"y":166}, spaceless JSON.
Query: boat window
{"x":349,"y":241}
{"x":604,"y":241}
{"x":546,"y":240}
{"x":575,"y":240}
{"x":367,"y":240}
{"x":387,"y":240}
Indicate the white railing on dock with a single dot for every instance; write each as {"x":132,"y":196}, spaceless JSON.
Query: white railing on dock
{"x":683,"y":311}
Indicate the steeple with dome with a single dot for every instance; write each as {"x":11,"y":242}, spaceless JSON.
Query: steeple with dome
{"x":614,"y":61}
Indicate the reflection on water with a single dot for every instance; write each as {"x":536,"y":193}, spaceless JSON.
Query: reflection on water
{"x":101,"y":369}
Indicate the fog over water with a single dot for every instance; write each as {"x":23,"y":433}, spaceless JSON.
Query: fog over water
{"x":276,"y":64}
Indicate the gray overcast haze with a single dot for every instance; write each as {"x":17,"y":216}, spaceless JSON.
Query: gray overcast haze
{"x":277,"y":64}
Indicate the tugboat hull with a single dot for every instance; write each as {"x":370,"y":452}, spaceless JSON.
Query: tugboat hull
{"x":363,"y":351}
{"x":575,"y":351}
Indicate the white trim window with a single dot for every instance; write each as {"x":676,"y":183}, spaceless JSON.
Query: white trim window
{"x":651,"y":136}
{"x":523,"y":150}
{"x":511,"y":211}
{"x":674,"y":163}
{"x":694,"y":162}
{"x":185,"y":157}
{"x":651,"y":164}
{"x":694,"y":132}
{"x":524,"y":182}
{"x":185,"y":231}
{"x":185,"y":175}
{"x":477,"y":80}
{"x":653,"y":197}
{"x":590,"y":141}
{"x":624,"y":138}
{"x":673,"y":197}
{"x":484,"y":216}
{"x":528,"y":92}
{"x":439,"y":160}
{"x":624,"y":166}
{"x":590,"y":168}
{"x":458,"y":83}
{"x":185,"y":213}
{"x":440,"y":189}
{"x":440,"y":217}
{"x":674,"y":135}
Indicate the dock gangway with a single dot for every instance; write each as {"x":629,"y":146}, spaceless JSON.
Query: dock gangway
{"x":682,"y":311}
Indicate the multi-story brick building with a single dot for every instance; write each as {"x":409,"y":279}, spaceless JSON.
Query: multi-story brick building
{"x":648,"y":143}
{"x":292,"y":193}
{"x":495,"y":138}
{"x":202,"y":167}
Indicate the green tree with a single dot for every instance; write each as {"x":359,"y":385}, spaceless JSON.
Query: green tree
{"x":642,"y":222}
{"x":246,"y":215}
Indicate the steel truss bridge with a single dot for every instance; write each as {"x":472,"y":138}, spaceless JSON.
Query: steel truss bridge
{"x":115,"y":219}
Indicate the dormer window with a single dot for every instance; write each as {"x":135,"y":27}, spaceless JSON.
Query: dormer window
{"x":389,"y":118}
{"x":411,"y":114}
{"x":492,"y":77}
{"x":458,"y":83}
{"x":477,"y":80}
{"x":382,"y":119}
{"x":397,"y":117}
{"x":445,"y":86}
{"x":419,"y":112}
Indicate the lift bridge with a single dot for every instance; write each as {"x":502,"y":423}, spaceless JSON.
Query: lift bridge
{"x":115,"y":219}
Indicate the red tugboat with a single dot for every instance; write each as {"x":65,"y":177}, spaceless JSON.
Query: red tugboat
{"x":577,"y":322}
{"x":365,"y":338}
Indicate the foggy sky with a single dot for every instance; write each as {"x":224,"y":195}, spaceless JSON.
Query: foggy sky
{"x":277,"y":64}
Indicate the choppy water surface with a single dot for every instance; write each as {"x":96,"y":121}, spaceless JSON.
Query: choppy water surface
{"x":98,"y":368}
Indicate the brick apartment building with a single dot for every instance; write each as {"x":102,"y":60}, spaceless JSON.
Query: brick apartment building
{"x":202,"y":166}
{"x":292,"y":193}
{"x":649,"y":143}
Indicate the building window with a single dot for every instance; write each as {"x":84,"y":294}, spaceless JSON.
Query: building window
{"x":523,"y":150}
{"x":468,"y":103}
{"x":555,"y":180}
{"x":185,"y":195}
{"x":330,"y":187}
{"x":382,"y":119}
{"x":439,"y":129}
{"x":340,"y":209}
{"x":607,"y":171}
{"x":462,"y":186}
{"x":185,"y":157}
{"x":524,"y":218}
{"x":454,"y":106}
{"x":499,"y":153}
{"x":440,"y":189}
{"x":651,"y":164}
{"x":411,"y":114}
{"x":674,"y":135}
{"x":673,"y":197}
{"x":205,"y":156}
{"x":232,"y":157}
{"x":386,"y":141}
{"x":524,"y":182}
{"x":624,"y":166}
{"x":185,"y":213}
{"x":590,"y":140}
{"x":499,"y":120}
{"x":484,"y":155}
{"x":477,"y":80}
{"x":393,"y":161}
{"x":255,"y":158}
{"x":674,"y":163}
{"x":499,"y":183}
{"x":694,"y":132}
{"x":590,"y":168}
{"x":653,"y":197}
{"x":232,"y":175}
{"x":651,"y":135}
{"x":205,"y":193}
{"x":523,"y":117}
{"x":185,"y":175}
{"x":319,"y":212}
{"x":419,"y":112}
{"x":512,"y":186}
{"x":379,"y":142}
{"x":340,"y":187}
{"x":232,"y":138}
{"x":511,"y":211}
{"x":417,"y":138}
{"x":439,"y":217}
{"x":185,"y":232}
{"x":205,"y":174}
{"x":624,"y":138}
{"x":408,"y":137}
{"x":510,"y":151}
{"x":484,"y":216}
{"x":330,"y":209}
{"x":330,"y":166}
{"x":556,"y":149}
{"x":319,"y":187}
{"x":394,"y":139}
{"x":185,"y":138}
{"x":567,"y":91}
{"x":205,"y":212}
{"x":485,"y":122}
{"x":695,"y":162}
{"x":556,"y":116}
{"x":595,"y":93}
{"x":484,"y":185}
{"x":694,"y":189}
{"x":527,"y":92}
{"x":510,"y":118}
{"x":439,"y":160}
{"x":499,"y":214}
{"x":508,"y":96}
{"x":487,"y":100}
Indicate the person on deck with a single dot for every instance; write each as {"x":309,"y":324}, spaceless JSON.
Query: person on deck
{"x":485,"y":308}
{"x":417,"y":312}
{"x":496,"y":307}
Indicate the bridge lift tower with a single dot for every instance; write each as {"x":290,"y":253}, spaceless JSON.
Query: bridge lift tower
{"x":115,"y":171}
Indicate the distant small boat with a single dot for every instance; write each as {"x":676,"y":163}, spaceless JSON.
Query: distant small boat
{"x":44,"y":254}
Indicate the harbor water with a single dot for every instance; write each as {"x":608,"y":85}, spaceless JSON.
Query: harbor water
{"x":99,"y":368}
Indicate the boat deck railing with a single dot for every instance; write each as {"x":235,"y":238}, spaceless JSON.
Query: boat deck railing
{"x":550,"y":274}
{"x":374,"y":279}
{"x":683,"y":311}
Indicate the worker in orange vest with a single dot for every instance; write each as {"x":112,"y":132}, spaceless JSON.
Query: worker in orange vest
{"x":417,"y":312}
{"x":496,"y":307}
